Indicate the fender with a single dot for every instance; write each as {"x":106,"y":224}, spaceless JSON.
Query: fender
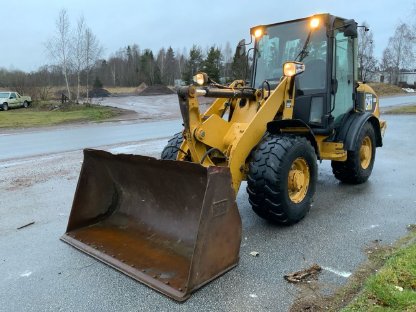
{"x":352,"y":126}
{"x":275,"y":126}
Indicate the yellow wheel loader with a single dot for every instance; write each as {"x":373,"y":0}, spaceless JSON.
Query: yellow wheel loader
{"x":173,"y":224}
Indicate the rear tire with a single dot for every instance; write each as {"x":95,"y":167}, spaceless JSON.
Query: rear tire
{"x":282,"y":178}
{"x":171,"y":150}
{"x":25,"y":104}
{"x":5,"y":107}
{"x":359,"y":164}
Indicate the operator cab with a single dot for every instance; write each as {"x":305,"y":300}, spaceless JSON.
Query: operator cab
{"x":326,"y":45}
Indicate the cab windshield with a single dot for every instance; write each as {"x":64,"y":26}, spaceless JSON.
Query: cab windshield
{"x":4,"y":94}
{"x":286,"y":42}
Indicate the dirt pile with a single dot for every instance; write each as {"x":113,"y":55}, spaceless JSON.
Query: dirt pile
{"x":140,"y":88}
{"x":156,"y":90}
{"x":99,"y":92}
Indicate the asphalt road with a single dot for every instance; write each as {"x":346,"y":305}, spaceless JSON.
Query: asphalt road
{"x":40,"y":273}
{"x":399,"y":100}
{"x":31,"y":142}
{"x":26,"y":143}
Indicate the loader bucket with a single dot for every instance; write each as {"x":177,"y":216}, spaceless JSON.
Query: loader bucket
{"x":171,"y":225}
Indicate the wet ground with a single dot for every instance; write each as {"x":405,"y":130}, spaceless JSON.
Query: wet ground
{"x":40,"y":273}
{"x":154,"y":107}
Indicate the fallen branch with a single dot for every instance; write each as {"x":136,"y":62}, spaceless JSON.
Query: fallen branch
{"x":302,"y":275}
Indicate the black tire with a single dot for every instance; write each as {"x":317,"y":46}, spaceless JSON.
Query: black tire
{"x":170,"y":152}
{"x":5,"y":106}
{"x":25,"y":104}
{"x":268,"y":179}
{"x":357,"y":169}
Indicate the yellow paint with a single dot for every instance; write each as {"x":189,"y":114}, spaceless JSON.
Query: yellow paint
{"x":232,"y":139}
{"x":366,"y":152}
{"x":298,"y":180}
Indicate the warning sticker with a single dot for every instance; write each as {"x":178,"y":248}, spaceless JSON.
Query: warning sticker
{"x":368,"y":101}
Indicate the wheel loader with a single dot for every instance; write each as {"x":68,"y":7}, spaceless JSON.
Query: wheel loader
{"x":173,"y":223}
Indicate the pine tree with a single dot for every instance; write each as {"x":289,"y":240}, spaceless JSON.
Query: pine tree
{"x":238,"y":67}
{"x":150,"y":73}
{"x":193,"y":65}
{"x":212,"y":64}
{"x":170,"y":68}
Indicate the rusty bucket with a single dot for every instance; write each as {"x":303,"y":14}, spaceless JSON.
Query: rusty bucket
{"x":171,"y":225}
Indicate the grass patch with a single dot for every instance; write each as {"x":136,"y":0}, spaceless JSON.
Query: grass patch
{"x":49,"y":113}
{"x":384,"y":89}
{"x":121,"y":90}
{"x":372,"y":285}
{"x":393,"y":288}
{"x":408,"y":109}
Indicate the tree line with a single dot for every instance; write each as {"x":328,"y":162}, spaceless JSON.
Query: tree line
{"x":131,"y":66}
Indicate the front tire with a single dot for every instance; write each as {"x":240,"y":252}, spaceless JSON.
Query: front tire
{"x":359,"y":164}
{"x":171,"y":150}
{"x":282,"y":178}
{"x":25,"y":104}
{"x":5,"y":107}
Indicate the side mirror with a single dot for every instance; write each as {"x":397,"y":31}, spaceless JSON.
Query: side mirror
{"x":350,"y":28}
{"x":241,"y":48}
{"x":10,"y":97}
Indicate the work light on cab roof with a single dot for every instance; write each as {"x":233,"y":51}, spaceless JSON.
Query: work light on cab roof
{"x":314,"y":23}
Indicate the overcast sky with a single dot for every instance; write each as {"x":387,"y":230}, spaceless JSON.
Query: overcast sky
{"x":27,"y":24}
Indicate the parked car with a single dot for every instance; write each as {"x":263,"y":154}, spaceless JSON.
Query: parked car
{"x":10,"y":99}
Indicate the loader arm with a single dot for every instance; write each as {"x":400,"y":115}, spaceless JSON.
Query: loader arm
{"x":213,"y":141}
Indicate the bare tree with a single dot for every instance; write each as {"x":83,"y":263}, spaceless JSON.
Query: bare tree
{"x":386,"y":64}
{"x":93,"y":50}
{"x":366,"y":61}
{"x":228,"y":58}
{"x":399,"y":51}
{"x":161,"y":62}
{"x":79,"y":51}
{"x":59,"y":46}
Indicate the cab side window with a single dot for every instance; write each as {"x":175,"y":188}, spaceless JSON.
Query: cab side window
{"x":12,"y":95}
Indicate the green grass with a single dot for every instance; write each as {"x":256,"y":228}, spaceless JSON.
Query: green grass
{"x":408,"y":109}
{"x":393,"y":287}
{"x":40,"y":115}
{"x":372,"y":286}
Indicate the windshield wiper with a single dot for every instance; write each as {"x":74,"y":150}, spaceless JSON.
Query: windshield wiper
{"x":304,"y":52}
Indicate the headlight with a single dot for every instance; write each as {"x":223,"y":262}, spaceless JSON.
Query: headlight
{"x":291,"y":69}
{"x":200,"y":79}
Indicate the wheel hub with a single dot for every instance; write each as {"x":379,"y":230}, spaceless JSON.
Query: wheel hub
{"x":298,"y":180}
{"x":365,"y":152}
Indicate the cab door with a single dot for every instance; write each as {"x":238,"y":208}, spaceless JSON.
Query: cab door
{"x":19,"y":100}
{"x":343,"y":74}
{"x":13,"y":101}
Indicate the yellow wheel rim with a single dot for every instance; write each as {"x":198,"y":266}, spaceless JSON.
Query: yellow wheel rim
{"x":298,"y":180}
{"x":366,"y":152}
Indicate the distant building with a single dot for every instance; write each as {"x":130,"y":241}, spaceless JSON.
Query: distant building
{"x":407,"y":79}
{"x":403,"y":78}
